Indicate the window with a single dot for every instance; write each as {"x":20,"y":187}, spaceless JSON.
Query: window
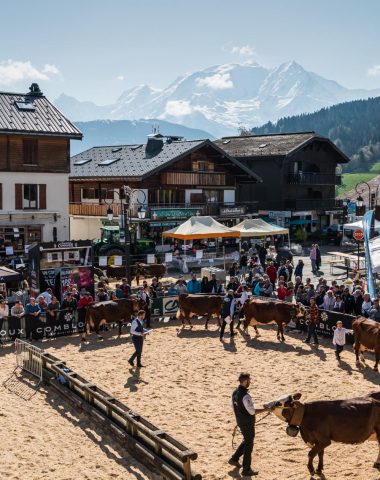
{"x":30,"y":151}
{"x":30,"y":196}
{"x":28,"y":106}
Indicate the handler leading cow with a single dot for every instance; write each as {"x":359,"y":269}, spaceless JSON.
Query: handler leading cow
{"x":261,"y":312}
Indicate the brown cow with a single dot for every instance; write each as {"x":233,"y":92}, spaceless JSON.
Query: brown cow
{"x":322,"y":422}
{"x":263,"y":312}
{"x":201,"y":305}
{"x":145,"y":270}
{"x":103,"y":313}
{"x":367,"y":335}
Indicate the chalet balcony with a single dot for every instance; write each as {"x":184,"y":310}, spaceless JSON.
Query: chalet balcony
{"x":197,"y":178}
{"x":308,"y":178}
{"x":320,"y":204}
{"x":165,"y":210}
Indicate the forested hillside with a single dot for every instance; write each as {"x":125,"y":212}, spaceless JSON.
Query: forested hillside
{"x":352,"y":126}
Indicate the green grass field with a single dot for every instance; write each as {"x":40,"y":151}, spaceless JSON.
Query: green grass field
{"x":351,"y":179}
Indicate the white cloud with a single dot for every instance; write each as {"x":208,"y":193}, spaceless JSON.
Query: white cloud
{"x":219,"y":81}
{"x":12,"y":71}
{"x":374,"y":71}
{"x":178,"y":108}
{"x":120,"y":77}
{"x":244,"y":51}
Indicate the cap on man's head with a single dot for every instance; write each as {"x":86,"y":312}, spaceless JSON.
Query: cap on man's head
{"x":230,"y":291}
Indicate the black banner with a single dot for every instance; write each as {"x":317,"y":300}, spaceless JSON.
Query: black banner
{"x":327,"y":323}
{"x":43,"y":326}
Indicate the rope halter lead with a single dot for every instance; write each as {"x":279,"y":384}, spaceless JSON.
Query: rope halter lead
{"x":236,"y":428}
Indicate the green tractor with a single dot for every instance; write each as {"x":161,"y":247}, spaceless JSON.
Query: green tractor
{"x":109,"y":245}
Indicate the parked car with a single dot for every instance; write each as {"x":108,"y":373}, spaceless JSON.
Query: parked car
{"x":283,"y":253}
{"x":335,"y":234}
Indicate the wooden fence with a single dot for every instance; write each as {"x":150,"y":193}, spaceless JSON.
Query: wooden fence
{"x":150,"y":445}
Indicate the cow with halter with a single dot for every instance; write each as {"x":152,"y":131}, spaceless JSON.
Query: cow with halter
{"x":266,"y":312}
{"x":367,"y":336}
{"x":103,"y":313}
{"x":322,"y":422}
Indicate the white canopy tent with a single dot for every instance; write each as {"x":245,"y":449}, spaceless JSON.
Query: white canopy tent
{"x":256,"y":227}
{"x":359,"y":225}
{"x":200,"y":227}
{"x":374,"y":251}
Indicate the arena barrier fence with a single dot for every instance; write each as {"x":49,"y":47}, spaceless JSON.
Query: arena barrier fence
{"x":149,"y":444}
{"x":28,"y":358}
{"x":68,"y":323}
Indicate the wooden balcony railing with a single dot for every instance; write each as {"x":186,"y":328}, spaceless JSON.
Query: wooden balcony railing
{"x":308,"y":178}
{"x":210,"y":208}
{"x":196,"y":178}
{"x":320,"y":204}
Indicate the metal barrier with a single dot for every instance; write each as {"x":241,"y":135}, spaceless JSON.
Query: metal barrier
{"x":151,"y":445}
{"x":28,"y":358}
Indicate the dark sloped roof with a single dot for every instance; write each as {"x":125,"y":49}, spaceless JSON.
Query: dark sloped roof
{"x":284,"y":144}
{"x":132,"y":160}
{"x":43,"y":119}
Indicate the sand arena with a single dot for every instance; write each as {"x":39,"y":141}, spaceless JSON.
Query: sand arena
{"x":185,"y":389}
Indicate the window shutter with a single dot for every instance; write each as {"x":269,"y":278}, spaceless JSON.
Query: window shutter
{"x":18,"y":196}
{"x":42,"y":196}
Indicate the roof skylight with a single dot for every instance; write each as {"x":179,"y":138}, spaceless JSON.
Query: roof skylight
{"x":26,"y":106}
{"x":82,"y":161}
{"x":108,"y":161}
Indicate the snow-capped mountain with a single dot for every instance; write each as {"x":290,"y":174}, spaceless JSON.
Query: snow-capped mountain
{"x":221,"y":98}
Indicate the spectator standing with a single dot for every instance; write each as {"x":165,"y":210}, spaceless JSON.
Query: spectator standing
{"x":318,"y":258}
{"x":126,"y":288}
{"x":313,"y":320}
{"x":289,"y":268}
{"x":358,"y":297}
{"x":374,"y":313}
{"x":338,"y":304}
{"x":289,"y":292}
{"x":205,"y":285}
{"x":215,"y":285}
{"x":47,"y":294}
{"x":366,"y":305}
{"x":298,"y":271}
{"x":172,"y":290}
{"x":328,"y":301}
{"x":348,"y":302}
{"x":281,"y":291}
{"x":32,"y":311}
{"x":17,"y":310}
{"x":272,"y":273}
{"x":313,"y":259}
{"x":194,"y":285}
{"x":243,"y":264}
{"x":101,"y":296}
{"x":53,"y":307}
{"x":283,"y":271}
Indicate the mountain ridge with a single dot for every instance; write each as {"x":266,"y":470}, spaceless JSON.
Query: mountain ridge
{"x":221,"y":98}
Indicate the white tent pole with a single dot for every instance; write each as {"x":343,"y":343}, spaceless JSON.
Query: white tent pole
{"x":224,"y":257}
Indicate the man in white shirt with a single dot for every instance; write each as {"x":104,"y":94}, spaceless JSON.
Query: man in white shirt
{"x":245,"y":413}
{"x":339,"y":339}
{"x":47,"y":294}
{"x":138,"y":332}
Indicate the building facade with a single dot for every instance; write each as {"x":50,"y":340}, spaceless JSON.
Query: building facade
{"x":300,"y":172}
{"x":177,"y":179}
{"x":34,"y":168}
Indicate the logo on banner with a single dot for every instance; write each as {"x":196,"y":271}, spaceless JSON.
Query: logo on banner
{"x":170,"y":306}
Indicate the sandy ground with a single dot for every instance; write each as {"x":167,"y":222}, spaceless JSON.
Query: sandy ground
{"x":184,"y":389}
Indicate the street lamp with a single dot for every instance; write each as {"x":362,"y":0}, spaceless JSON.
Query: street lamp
{"x":360,"y":199}
{"x":130,"y":196}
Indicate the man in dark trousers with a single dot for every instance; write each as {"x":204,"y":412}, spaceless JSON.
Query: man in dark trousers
{"x":228,"y":311}
{"x":138,"y":332}
{"x":245,"y":413}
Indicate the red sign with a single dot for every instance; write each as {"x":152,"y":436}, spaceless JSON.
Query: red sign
{"x":358,"y":235}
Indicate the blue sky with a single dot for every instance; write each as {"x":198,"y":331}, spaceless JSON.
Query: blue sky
{"x":95,"y":49}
